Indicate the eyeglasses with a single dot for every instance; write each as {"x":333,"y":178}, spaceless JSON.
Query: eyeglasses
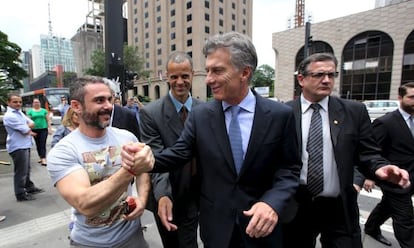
{"x":319,"y":75}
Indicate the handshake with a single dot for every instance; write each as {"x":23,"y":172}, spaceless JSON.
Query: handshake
{"x":137,"y":158}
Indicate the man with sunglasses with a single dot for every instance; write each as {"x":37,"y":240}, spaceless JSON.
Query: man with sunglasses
{"x":335,"y":136}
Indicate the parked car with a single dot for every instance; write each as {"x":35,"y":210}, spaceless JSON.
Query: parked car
{"x":377,"y":108}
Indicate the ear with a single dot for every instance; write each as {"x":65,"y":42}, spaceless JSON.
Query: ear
{"x":76,"y":106}
{"x":300,"y":78}
{"x":246,"y":72}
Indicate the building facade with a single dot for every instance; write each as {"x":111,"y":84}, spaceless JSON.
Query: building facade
{"x":56,"y":50}
{"x":375,"y":51}
{"x":158,"y":29}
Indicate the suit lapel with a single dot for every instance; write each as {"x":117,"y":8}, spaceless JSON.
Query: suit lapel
{"x":171,"y":117}
{"x":297,"y":111}
{"x":261,"y":125}
{"x":336,"y":118}
{"x":218,"y":127}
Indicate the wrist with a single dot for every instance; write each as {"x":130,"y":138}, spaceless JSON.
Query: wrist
{"x":131,"y":172}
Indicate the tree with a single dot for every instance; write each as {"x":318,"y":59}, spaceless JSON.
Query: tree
{"x":264,"y":76}
{"x":11,"y":73}
{"x":132,"y":62}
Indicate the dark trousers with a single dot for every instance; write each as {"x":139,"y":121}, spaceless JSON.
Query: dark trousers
{"x":21,"y":160}
{"x":320,"y":215}
{"x":40,"y":140}
{"x":400,"y":208}
{"x":186,"y":234}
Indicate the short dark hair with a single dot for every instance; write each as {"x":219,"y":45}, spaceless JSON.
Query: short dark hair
{"x":316,"y":57}
{"x":402,"y":90}
{"x":77,"y":87}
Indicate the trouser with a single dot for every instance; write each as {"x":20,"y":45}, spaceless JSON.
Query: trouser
{"x":135,"y":241}
{"x":400,"y":208}
{"x":40,"y":140}
{"x":21,"y":160}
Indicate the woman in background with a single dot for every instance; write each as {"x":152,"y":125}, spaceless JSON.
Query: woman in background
{"x":70,"y":122}
{"x":41,"y":127}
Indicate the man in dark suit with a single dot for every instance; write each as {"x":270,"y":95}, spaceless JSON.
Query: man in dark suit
{"x":248,"y":161}
{"x":326,"y":200}
{"x":395,"y":135}
{"x":122,"y":118}
{"x":175,"y":194}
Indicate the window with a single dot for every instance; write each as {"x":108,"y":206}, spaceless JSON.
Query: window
{"x":189,"y":5}
{"x":172,"y":24}
{"x":221,"y":11}
{"x":159,"y":41}
{"x":207,"y":17}
{"x":158,"y":19}
{"x":207,"y":29}
{"x":173,"y":47}
{"x":147,"y":55}
{"x":189,"y":18}
{"x":146,"y":35}
{"x":172,"y":1}
{"x":158,"y":8}
{"x":159,"y":62}
{"x":146,"y":4}
{"x":189,"y":30}
{"x":135,"y":11}
{"x":159,"y":51}
{"x":172,"y":13}
{"x":221,"y":23}
{"x":146,"y":25}
{"x":189,"y":42}
{"x":135,"y":30}
{"x":207,"y":4}
{"x":233,"y":17}
{"x":233,"y":5}
{"x":146,"y":45}
{"x":158,"y":30}
{"x":146,"y":15}
{"x":172,"y":36}
{"x":233,"y":27}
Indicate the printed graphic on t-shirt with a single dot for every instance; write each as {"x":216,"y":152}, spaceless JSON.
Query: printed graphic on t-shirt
{"x":100,"y":165}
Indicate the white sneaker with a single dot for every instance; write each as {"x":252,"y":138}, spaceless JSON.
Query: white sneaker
{"x":2,"y":217}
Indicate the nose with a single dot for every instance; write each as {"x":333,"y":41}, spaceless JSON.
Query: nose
{"x":209,"y":78}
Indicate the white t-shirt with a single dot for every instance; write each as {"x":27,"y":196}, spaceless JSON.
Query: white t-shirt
{"x":100,"y":157}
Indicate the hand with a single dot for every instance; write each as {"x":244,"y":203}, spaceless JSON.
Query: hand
{"x":357,"y":188}
{"x":138,"y":211}
{"x":263,"y":221}
{"x":368,"y":185}
{"x":137,"y":157}
{"x":165,"y":207}
{"x":394,"y":174}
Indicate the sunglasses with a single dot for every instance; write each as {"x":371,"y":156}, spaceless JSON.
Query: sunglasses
{"x":319,"y":75}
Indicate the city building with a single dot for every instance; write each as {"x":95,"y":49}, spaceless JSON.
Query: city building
{"x":158,"y":29}
{"x":375,"y":51}
{"x":56,"y":50}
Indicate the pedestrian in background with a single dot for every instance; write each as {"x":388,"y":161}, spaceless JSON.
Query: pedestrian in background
{"x":69,"y":123}
{"x":18,"y":144}
{"x":334,"y":135}
{"x":395,"y":135}
{"x":85,"y":168}
{"x":245,"y":149}
{"x":174,"y":196}
{"x":63,"y":106}
{"x":42,"y":127}
{"x":133,"y":106}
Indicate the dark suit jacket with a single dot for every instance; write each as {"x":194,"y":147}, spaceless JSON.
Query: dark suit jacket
{"x":353,"y":144}
{"x":125,"y":119}
{"x":270,"y":171}
{"x":397,"y":143}
{"x":160,"y":128}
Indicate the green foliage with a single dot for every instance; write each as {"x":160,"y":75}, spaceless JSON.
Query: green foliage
{"x":67,"y":78}
{"x":11,"y":73}
{"x":132,"y":62}
{"x":264,"y":76}
{"x":98,"y":63}
{"x":142,"y":98}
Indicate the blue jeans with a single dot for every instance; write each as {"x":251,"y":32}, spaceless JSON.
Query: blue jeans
{"x":21,"y":160}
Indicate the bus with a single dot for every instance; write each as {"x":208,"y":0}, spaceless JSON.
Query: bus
{"x":49,"y":100}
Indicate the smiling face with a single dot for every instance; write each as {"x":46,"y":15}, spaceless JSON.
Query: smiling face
{"x":227,"y":83}
{"x":97,"y":108}
{"x":318,"y":81}
{"x":180,"y":77}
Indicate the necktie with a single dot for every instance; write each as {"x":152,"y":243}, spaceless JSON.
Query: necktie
{"x":315,"y":151}
{"x":412,"y":124}
{"x":236,"y":138}
{"x":183,"y":113}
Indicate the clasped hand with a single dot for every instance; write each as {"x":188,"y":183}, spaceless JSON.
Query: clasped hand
{"x":137,"y":157}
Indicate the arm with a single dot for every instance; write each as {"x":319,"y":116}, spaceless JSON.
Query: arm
{"x":143,"y":185}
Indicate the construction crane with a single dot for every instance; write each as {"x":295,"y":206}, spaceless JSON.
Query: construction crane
{"x":300,"y":13}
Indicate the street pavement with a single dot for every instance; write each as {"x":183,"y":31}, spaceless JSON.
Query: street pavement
{"x":44,"y":221}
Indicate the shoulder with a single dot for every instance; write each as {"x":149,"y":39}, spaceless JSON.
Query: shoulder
{"x":122,"y":135}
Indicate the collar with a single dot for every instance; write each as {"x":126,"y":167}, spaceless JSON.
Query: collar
{"x":247,"y":104}
{"x":305,"y":104}
{"x":178,"y":105}
{"x":404,"y":114}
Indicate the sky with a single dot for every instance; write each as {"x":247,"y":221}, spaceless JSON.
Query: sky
{"x":25,"y":20}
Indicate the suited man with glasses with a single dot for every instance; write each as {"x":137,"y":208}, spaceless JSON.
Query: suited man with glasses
{"x":334,"y":135}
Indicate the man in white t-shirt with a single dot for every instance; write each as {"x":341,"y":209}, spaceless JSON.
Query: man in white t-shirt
{"x":85,"y":167}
